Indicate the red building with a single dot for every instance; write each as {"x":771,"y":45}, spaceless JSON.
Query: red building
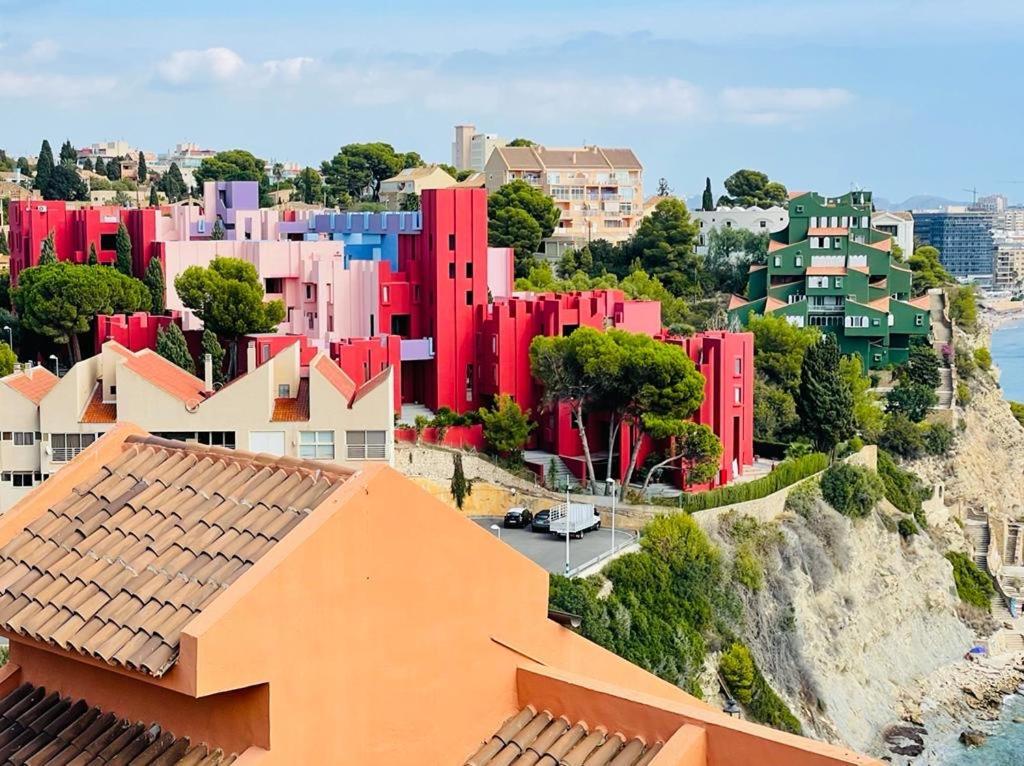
{"x":75,"y":228}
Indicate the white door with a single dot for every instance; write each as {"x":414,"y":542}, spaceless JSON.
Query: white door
{"x":271,"y":442}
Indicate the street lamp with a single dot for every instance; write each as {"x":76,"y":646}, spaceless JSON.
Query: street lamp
{"x":10,"y":335}
{"x":611,"y":489}
{"x":56,"y":364}
{"x":497,"y":529}
{"x":731,"y":708}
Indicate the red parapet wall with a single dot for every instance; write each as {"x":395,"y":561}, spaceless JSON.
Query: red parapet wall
{"x":460,"y":437}
{"x":135,"y":332}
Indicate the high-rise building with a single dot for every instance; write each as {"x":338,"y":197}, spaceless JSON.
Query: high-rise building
{"x":1009,"y":260}
{"x":470,"y":150}
{"x":460,"y":146}
{"x":993,"y":203}
{"x":830,"y":269}
{"x":963,"y":239}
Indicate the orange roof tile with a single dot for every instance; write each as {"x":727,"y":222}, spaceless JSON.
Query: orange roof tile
{"x":774,"y":245}
{"x":370,"y":385}
{"x":838,"y":271}
{"x":771,"y":304}
{"x":922,"y":302}
{"x":294,"y":409}
{"x":885,"y":245}
{"x":336,"y":376}
{"x":118,"y":567}
{"x":735,"y":301}
{"x":795,"y":194}
{"x":168,"y":376}
{"x":882,"y":304}
{"x":548,"y":739}
{"x":33,"y":385}
{"x":50,"y":730}
{"x":828,"y":231}
{"x":98,"y":411}
{"x":861,"y":269}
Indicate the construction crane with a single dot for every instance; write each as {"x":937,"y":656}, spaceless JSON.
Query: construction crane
{"x":974,"y":194}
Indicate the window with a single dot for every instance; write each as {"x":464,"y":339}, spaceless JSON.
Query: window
{"x":266,"y":351}
{"x":469,"y":297}
{"x":857,"y":322}
{"x":18,"y":478}
{"x":274,"y":284}
{"x":451,"y":271}
{"x":67,"y":446}
{"x":778,"y":261}
{"x":6,"y":436}
{"x":737,"y":366}
{"x":366,"y":445}
{"x":469,"y":382}
{"x":799,"y":208}
{"x":310,"y":292}
{"x":318,"y":445}
{"x":469,"y":269}
{"x":763,"y":224}
{"x":737,"y":395}
{"x":284,"y":391}
{"x":451,"y":241}
{"x":839,"y":281}
{"x":217,"y":438}
{"x":23,"y":439}
{"x":817,"y":282}
{"x":799,"y":261}
{"x":108,"y":241}
{"x":919,"y":319}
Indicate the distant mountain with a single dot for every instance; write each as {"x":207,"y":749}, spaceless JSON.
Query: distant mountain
{"x":917,"y":202}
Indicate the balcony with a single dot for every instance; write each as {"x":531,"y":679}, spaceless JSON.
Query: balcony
{"x":417,"y":349}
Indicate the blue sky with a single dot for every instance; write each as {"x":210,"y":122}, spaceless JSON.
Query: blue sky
{"x":899,"y":96}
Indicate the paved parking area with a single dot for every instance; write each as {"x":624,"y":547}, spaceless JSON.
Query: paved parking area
{"x":549,"y":551}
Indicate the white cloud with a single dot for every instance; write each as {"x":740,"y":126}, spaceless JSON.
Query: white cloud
{"x":197,"y":67}
{"x":288,"y":69}
{"x":772,"y":106}
{"x":42,"y":50}
{"x":57,"y":88}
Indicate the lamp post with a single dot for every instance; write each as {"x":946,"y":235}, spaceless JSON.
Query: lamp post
{"x":567,"y":531}
{"x":10,"y":335}
{"x":56,"y":365}
{"x":611,"y":489}
{"x":497,"y":530}
{"x":731,"y":708}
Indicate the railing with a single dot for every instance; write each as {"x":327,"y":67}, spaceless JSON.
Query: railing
{"x":631,"y":537}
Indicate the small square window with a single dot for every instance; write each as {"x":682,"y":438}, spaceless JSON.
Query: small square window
{"x":469,"y":297}
{"x":451,"y":241}
{"x":469,"y":269}
{"x":451,"y":271}
{"x":284,"y":391}
{"x":737,"y":395}
{"x":799,"y":208}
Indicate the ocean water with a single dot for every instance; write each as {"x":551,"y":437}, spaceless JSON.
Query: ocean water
{"x":1004,"y":748}
{"x":1008,"y":354}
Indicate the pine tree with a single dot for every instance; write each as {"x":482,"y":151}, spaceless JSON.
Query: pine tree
{"x":48,"y":252}
{"x":93,"y":258}
{"x":44,"y":166}
{"x":664,"y":190}
{"x":154,"y":199}
{"x":173,"y":184}
{"x":708,"y":201}
{"x":142,"y":173}
{"x":218,"y":230}
{"x":100,"y":168}
{"x":154,"y":281}
{"x":114,"y":169}
{"x":87,"y":164}
{"x":68,"y":155}
{"x":171,"y":345}
{"x":123,"y":246}
{"x":826,"y":401}
{"x":211,"y":345}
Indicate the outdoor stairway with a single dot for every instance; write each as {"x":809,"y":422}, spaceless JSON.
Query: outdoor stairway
{"x":978,"y":533}
{"x":1010,"y":554}
{"x":411,"y":411}
{"x":999,"y":610}
{"x":1013,"y":642}
{"x":562,"y":475}
{"x":945,"y":389}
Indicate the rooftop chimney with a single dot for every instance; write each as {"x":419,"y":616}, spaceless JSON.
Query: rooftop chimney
{"x":250,"y":356}
{"x":208,"y":372}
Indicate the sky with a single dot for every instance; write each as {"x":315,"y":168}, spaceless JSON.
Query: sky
{"x":902,"y":97}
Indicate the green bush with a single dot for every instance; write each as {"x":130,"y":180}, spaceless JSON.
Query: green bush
{"x":902,"y":488}
{"x":963,"y":398}
{"x":786,"y":473}
{"x":901,"y":437}
{"x":737,"y":669}
{"x":937,"y":438}
{"x":983,"y":358}
{"x":851,"y":489}
{"x":907,"y":528}
{"x":972,"y":584}
{"x":746,"y":567}
{"x":1018,"y":411}
{"x":751,"y":690}
{"x":964,"y":361}
{"x":803,"y":497}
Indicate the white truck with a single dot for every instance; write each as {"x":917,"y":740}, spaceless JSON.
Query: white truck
{"x":577,"y":518}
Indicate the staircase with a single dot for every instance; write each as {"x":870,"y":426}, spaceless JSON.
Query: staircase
{"x":1013,"y":642}
{"x":945,"y":389}
{"x":999,"y":610}
{"x":1010,"y":555}
{"x":411,"y":411}
{"x":978,"y":533}
{"x":562,"y":476}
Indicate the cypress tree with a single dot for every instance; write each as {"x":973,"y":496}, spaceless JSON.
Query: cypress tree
{"x":171,"y":345}
{"x":154,"y":199}
{"x":461,"y":487}
{"x":154,"y":281}
{"x":708,"y":201}
{"x":44,"y":166}
{"x":99,"y":168}
{"x":141,"y":173}
{"x":86,"y":164}
{"x":123,"y":246}
{"x":48,"y":252}
{"x":826,"y":402}
{"x":218,"y":230}
{"x":68,"y":154}
{"x":211,"y":345}
{"x":114,"y":169}
{"x":93,"y":258}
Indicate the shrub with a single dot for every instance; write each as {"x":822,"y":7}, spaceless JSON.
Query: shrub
{"x":964,"y":361}
{"x":799,"y":448}
{"x":751,"y":690}
{"x":911,"y":399}
{"x":902,"y":488}
{"x":747,"y":568}
{"x":963,"y":398}
{"x":506,"y":427}
{"x":901,"y":437}
{"x":786,"y":473}
{"x":1018,"y":411}
{"x":937,"y":438}
{"x":972,"y":584}
{"x":963,"y":307}
{"x":851,"y":489}
{"x":737,"y":669}
{"x":983,"y":358}
{"x":803,"y":497}
{"x":461,"y":487}
{"x":907,"y":528}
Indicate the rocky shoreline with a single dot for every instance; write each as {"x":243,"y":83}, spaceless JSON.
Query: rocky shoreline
{"x":954,"y":707}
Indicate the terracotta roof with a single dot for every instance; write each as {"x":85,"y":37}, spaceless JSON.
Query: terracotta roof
{"x":884,"y":245}
{"x":293,"y":409}
{"x":774,"y":245}
{"x":882,"y":304}
{"x":757,"y":267}
{"x":118,"y":567}
{"x":532,"y":737}
{"x":735,"y":301}
{"x":922,"y":302}
{"x":862,"y":269}
{"x":336,"y":376}
{"x":838,"y":271}
{"x":795,"y":194}
{"x":32,"y":385}
{"x":771,"y":304}
{"x":168,"y":376}
{"x":828,"y":231}
{"x":540,"y":157}
{"x":98,"y":411}
{"x":370,"y":385}
{"x":43,"y":729}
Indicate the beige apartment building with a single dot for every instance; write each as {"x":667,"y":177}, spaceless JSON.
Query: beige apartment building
{"x":598,"y":190}
{"x":279,"y":408}
{"x":413,"y":181}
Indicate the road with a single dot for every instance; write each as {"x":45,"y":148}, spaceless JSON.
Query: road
{"x":549,"y":551}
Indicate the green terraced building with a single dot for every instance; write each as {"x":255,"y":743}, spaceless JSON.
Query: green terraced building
{"x":830,"y":269}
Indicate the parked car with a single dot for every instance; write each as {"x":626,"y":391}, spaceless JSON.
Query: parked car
{"x":541,"y":522}
{"x":517,"y":517}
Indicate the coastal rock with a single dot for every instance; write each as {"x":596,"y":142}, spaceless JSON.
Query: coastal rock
{"x":973,"y":737}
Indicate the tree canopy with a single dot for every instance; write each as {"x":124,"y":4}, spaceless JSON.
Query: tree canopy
{"x":7,"y":359}
{"x":44,"y":166}
{"x":63,"y":182}
{"x":123,"y":246}
{"x":731,"y":252}
{"x":928,"y":270}
{"x":520,"y":216}
{"x":780,"y":348}
{"x":171,"y":345}
{"x":154,"y":281}
{"x":825,"y":404}
{"x":747,"y":188}
{"x":172,"y":184}
{"x":664,"y":245}
{"x":233,"y":165}
{"x":357,"y":170}
{"x":310,"y":185}
{"x":506,"y":427}
{"x":707,"y":201}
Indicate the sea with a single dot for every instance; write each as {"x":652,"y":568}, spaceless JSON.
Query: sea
{"x":1006,"y":745}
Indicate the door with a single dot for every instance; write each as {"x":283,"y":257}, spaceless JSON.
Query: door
{"x":270,"y":442}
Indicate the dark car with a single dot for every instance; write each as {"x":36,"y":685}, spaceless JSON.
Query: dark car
{"x":541,"y":522}
{"x":517,"y":517}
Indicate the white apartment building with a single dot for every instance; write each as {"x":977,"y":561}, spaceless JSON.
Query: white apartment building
{"x":599,"y":191}
{"x":755,"y":219}
{"x":1011,"y":219}
{"x":1008,"y":261}
{"x":899,"y":224}
{"x":279,"y":408}
{"x":471,"y":150}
